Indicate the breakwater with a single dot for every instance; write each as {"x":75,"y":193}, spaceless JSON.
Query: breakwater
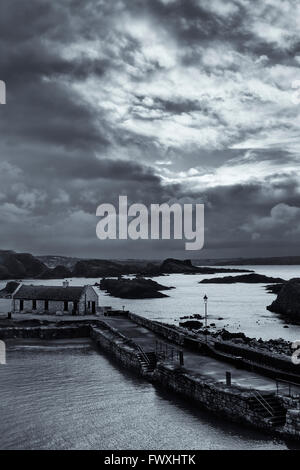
{"x":45,"y":332}
{"x":269,"y":364}
{"x":231,"y":402}
{"x":116,"y":345}
{"x":234,"y":403}
{"x":163,"y":330}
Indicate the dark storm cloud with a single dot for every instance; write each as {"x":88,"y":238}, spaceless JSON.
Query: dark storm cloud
{"x":142,"y":98}
{"x":178,"y":107}
{"x":92,"y":168}
{"x":252,"y":215}
{"x":192,"y":23}
{"x":50,"y":113}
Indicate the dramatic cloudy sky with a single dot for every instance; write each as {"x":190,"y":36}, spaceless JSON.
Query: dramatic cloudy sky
{"x":162,"y":100}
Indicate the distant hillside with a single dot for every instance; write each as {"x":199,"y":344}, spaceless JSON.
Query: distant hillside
{"x":277,"y":260}
{"x":52,"y":261}
{"x":172,"y":266}
{"x":24,"y":266}
{"x":19,"y":265}
{"x":102,"y":268}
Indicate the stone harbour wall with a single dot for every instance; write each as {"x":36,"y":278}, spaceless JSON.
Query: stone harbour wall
{"x":260,"y":357}
{"x":45,"y":332}
{"x":159,"y":328}
{"x":117,"y":345}
{"x":292,"y":425}
{"x":106,"y":337}
{"x":231,"y":402}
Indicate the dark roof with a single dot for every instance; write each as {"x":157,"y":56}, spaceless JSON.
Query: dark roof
{"x":49,"y":293}
{"x":10,"y":287}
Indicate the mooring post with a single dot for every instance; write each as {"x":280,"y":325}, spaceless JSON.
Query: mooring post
{"x":181,"y":362}
{"x":228,"y":379}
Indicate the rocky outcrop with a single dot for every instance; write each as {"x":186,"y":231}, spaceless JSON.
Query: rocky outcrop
{"x":176,"y":266}
{"x":246,"y":278}
{"x":19,"y":265}
{"x":24,"y":265}
{"x":59,"y":272}
{"x":171,"y":265}
{"x":9,"y":289}
{"x":191,"y":324}
{"x":276,"y":288}
{"x":103,"y":268}
{"x":288,"y":300}
{"x":273,"y":288}
{"x":138,"y":288}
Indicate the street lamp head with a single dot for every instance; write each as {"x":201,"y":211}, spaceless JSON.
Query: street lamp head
{"x":205,"y":298}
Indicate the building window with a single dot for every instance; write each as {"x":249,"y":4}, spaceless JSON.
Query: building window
{"x":21,"y":304}
{"x":34,"y":305}
{"x":66,"y":306}
{"x":46,"y":304}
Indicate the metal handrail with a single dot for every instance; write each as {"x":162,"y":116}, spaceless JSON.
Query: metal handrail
{"x":290,"y":386}
{"x":142,"y":352}
{"x":263,"y":402}
{"x":288,"y":382}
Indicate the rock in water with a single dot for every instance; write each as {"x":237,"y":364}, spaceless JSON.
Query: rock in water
{"x":246,"y":278}
{"x":137,"y":288}
{"x":288,"y":300}
{"x":176,"y":266}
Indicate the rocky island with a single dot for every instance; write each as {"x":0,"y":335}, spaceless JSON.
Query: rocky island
{"x":246,"y":278}
{"x":27,"y":266}
{"x":175,"y":266}
{"x":287,"y":302}
{"x":137,"y":288}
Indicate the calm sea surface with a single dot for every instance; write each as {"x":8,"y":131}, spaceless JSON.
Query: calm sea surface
{"x":64,"y":395}
{"x":67,"y":395}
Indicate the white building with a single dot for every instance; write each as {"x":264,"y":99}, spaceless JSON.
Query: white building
{"x":55,"y":299}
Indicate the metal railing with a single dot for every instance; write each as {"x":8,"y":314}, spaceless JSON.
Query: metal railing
{"x":263,"y":402}
{"x":290,"y":389}
{"x":165,"y":351}
{"x":138,"y":347}
{"x":144,"y":355}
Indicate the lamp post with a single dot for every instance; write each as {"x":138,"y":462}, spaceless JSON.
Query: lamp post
{"x":205,"y":298}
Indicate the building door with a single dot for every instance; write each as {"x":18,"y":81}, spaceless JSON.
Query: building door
{"x":93,"y":307}
{"x":21,"y":304}
{"x":75,"y":308}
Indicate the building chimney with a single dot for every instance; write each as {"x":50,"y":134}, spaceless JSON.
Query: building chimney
{"x":65,"y":283}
